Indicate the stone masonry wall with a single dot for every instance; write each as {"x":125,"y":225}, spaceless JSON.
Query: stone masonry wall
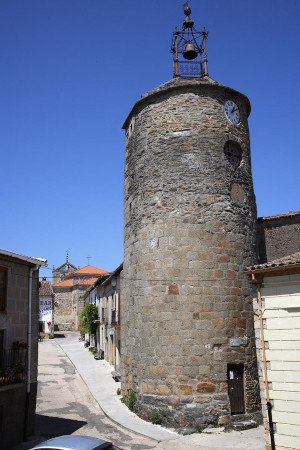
{"x":14,"y":322}
{"x":63,"y":308}
{"x":278,"y":237}
{"x":189,"y":232}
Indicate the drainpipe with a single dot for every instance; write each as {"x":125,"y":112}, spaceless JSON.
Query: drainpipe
{"x":269,"y":405}
{"x":29,"y":340}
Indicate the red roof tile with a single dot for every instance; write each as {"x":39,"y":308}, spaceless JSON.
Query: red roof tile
{"x":45,"y":288}
{"x":87,"y":270}
{"x":286,"y":261}
{"x":85,"y":281}
{"x":278,"y":216}
{"x":63,"y":283}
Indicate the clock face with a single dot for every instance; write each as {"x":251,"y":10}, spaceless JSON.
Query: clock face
{"x":232,"y":111}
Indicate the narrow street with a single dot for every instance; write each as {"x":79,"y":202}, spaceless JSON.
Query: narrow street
{"x":65,"y":405}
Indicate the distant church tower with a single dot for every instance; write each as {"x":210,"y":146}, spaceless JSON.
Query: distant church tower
{"x":190,"y":216}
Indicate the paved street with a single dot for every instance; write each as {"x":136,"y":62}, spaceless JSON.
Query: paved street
{"x":65,"y":405}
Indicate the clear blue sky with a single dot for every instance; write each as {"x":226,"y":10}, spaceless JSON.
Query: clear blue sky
{"x":71,"y":71}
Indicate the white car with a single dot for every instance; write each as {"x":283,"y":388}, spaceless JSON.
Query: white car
{"x":72,"y":442}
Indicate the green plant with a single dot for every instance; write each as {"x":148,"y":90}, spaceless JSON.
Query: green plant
{"x":129,"y":399}
{"x":88,"y":315}
{"x":155,"y":418}
{"x":119,"y":391}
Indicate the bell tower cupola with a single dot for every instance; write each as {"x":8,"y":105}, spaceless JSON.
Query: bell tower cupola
{"x":189,"y":49}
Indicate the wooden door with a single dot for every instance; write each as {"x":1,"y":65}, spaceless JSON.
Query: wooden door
{"x":235,"y":377}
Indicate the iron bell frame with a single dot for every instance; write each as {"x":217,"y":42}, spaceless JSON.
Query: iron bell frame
{"x":189,"y":37}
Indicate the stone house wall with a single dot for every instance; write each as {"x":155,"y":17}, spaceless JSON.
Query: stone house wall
{"x":78,"y":294}
{"x":278,"y":236}
{"x":14,"y":321}
{"x":63,"y":308}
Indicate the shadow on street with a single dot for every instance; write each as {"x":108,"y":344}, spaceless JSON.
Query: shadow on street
{"x":50,"y":427}
{"x":59,"y":335}
{"x":47,"y":427}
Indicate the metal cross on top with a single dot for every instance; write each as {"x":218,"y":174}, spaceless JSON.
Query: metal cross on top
{"x":189,"y":49}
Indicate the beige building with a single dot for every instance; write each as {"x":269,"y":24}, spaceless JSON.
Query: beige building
{"x":106,"y":296}
{"x":277,"y":324}
{"x":19,"y":306}
{"x":108,"y":331}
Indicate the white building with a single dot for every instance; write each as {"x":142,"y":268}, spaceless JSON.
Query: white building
{"x":277,"y":323}
{"x":46,"y":302}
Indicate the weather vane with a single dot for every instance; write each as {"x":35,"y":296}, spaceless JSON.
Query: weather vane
{"x":189,"y":44}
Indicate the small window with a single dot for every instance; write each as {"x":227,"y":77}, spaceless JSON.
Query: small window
{"x":130,"y":128}
{"x":233,"y":153}
{"x":3,"y":288}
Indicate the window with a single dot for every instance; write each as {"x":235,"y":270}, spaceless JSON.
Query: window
{"x":233,"y":153}
{"x":3,"y":288}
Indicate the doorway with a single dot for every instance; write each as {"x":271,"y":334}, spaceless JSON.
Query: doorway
{"x":235,"y":379}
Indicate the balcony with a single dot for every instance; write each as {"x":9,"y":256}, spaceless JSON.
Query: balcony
{"x":13,"y":366}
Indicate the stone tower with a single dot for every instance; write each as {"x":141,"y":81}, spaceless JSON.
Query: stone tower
{"x":187,"y":324}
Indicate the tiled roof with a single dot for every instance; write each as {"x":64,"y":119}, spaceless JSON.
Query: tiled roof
{"x":116,"y":272}
{"x":77,"y":281}
{"x":286,"y":261}
{"x":45,"y":288}
{"x":279,"y":216}
{"x":85,"y":281}
{"x":87,"y":270}
{"x":63,"y":283}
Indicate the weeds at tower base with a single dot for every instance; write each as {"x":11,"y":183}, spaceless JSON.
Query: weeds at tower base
{"x":155,"y":418}
{"x":129,"y":399}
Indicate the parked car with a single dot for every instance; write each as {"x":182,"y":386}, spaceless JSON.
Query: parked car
{"x":73,"y":442}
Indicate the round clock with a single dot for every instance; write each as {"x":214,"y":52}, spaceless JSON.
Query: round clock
{"x":232,"y":111}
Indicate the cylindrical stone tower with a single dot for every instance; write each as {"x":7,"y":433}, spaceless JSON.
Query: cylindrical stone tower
{"x":190,"y":217}
{"x":187,"y":337}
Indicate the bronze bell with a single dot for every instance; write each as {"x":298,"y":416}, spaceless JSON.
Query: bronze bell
{"x":190,"y":52}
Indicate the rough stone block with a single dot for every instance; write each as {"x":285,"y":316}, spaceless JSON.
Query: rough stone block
{"x":206,"y":387}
